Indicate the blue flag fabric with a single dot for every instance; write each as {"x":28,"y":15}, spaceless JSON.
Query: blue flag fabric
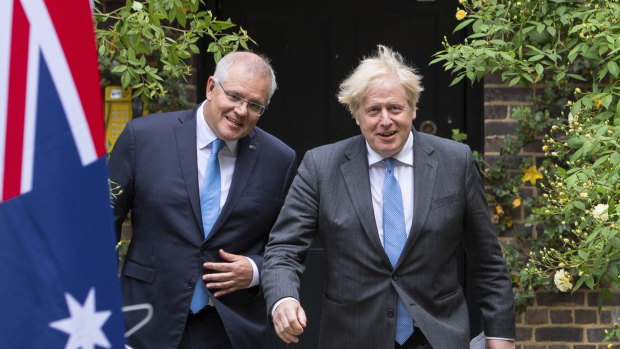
{"x":58,"y":265}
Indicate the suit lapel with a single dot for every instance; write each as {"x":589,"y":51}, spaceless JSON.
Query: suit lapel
{"x":424,"y":178}
{"x":248,"y":150}
{"x":185,"y":133}
{"x":357,"y":181}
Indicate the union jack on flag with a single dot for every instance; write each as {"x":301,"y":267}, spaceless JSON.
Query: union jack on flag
{"x":59,"y":269}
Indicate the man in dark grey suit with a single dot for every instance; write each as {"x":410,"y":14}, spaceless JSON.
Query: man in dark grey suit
{"x":160,"y":163}
{"x":390,"y":207}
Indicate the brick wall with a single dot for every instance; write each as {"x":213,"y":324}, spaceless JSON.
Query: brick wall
{"x":553,"y":320}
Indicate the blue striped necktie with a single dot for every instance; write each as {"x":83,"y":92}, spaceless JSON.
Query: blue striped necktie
{"x":210,"y":208}
{"x":394,"y":238}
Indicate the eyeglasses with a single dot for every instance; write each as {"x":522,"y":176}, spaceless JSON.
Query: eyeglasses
{"x":253,"y":108}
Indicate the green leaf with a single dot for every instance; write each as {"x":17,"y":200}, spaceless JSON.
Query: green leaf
{"x":575,"y":142}
{"x":213,"y":47}
{"x":536,"y":58}
{"x":580,"y":205}
{"x":570,"y":181}
{"x":540,"y":27}
{"x":607,"y":100}
{"x":125,"y":79}
{"x":600,"y":161}
{"x":613,"y":68}
{"x":457,"y":79}
{"x":576,"y":77}
{"x":589,"y":281}
{"x":539,"y":69}
{"x":225,"y":24}
{"x":514,"y":81}
{"x":119,"y":69}
{"x":462,"y":25}
{"x":579,"y":283}
{"x":615,"y":158}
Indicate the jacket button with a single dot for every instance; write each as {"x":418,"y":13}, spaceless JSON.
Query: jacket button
{"x":395,"y":277}
{"x":390,"y":313}
{"x":191,"y":284}
{"x":203,"y":251}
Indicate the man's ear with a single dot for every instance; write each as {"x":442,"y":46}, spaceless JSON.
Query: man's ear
{"x":210,"y":87}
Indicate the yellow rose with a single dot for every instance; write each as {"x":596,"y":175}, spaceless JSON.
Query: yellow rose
{"x":460,"y":14}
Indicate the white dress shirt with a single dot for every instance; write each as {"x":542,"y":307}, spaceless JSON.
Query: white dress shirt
{"x":403,"y":171}
{"x":227,"y":157}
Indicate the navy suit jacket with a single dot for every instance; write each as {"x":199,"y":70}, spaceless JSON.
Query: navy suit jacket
{"x":154,"y":163}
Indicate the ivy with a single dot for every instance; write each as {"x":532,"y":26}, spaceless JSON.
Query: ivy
{"x":146,"y":45}
{"x":570,"y":50}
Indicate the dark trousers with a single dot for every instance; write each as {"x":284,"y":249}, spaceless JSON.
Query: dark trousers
{"x":205,"y":330}
{"x":416,"y":341}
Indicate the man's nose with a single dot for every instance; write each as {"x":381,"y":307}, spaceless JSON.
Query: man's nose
{"x":385,"y":120}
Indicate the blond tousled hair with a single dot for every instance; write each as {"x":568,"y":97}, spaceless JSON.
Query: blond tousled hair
{"x":385,"y":61}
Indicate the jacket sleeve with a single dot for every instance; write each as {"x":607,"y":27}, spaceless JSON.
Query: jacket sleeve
{"x":291,"y":236}
{"x":121,"y":165}
{"x":485,"y":262}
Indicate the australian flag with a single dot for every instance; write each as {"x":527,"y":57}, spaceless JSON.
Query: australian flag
{"x":58,"y":268}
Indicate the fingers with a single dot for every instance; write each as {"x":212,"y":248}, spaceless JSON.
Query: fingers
{"x":234,"y":274}
{"x":229,"y":256}
{"x":289,"y":321}
{"x":301,"y":315}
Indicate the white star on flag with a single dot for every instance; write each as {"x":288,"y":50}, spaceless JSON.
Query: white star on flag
{"x":84,"y":324}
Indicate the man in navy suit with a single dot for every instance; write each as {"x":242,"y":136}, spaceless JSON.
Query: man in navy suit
{"x":159,"y":163}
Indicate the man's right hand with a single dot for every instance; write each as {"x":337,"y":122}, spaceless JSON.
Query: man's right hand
{"x":289,"y":321}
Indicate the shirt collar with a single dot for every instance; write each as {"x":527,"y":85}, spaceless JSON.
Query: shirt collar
{"x":204,"y":135}
{"x":405,"y":155}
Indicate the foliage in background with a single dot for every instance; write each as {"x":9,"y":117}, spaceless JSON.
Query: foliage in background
{"x":572,"y":48}
{"x":147,"y":44}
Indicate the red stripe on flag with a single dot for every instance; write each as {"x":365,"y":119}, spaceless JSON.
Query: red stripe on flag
{"x":74,"y":25}
{"x":16,"y":107}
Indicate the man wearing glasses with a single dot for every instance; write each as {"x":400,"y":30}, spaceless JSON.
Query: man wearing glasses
{"x":204,"y":187}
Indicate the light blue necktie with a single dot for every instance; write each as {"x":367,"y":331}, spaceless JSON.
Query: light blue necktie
{"x":394,"y":238}
{"x":210,"y":208}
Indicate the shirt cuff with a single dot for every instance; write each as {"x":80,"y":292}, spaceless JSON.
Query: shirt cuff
{"x":280,"y":301}
{"x":255,"y":275}
{"x":502,"y":339}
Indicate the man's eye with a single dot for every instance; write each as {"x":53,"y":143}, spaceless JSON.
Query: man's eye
{"x":234,"y":98}
{"x":254,"y":107}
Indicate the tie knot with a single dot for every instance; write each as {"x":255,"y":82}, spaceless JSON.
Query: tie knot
{"x":216,"y":146}
{"x":390,"y":162}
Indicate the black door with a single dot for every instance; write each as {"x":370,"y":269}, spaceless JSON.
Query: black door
{"x":313,"y":46}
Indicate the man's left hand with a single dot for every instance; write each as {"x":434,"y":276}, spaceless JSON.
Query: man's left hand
{"x":234,"y":274}
{"x":500,"y":344}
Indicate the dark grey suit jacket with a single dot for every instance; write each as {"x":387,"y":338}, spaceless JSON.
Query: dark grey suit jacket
{"x":330,"y":198}
{"x":154,"y":162}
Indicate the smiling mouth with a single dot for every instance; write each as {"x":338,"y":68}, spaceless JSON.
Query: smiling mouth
{"x":233,"y":121}
{"x":387,"y":134}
